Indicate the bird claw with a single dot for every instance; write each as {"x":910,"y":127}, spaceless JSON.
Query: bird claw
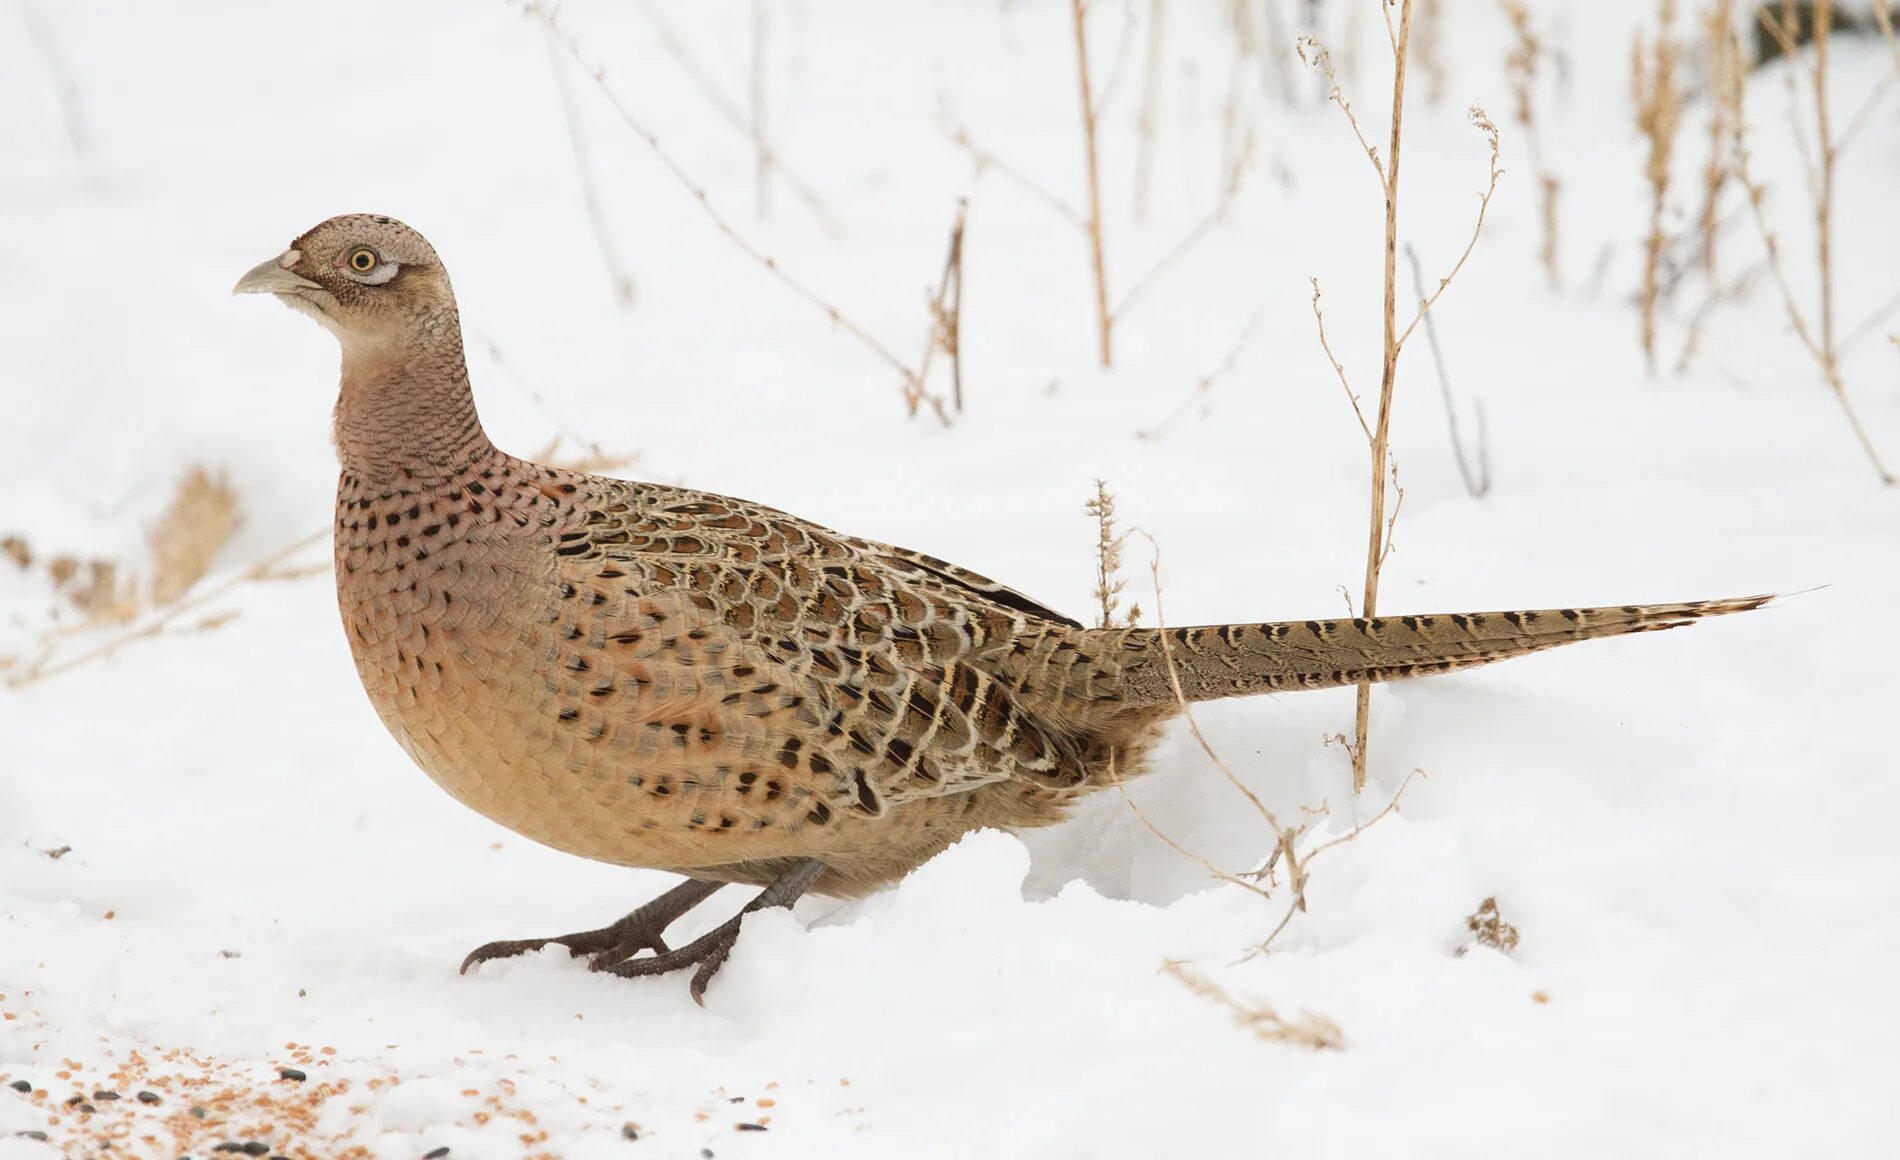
{"x":705,"y":955}
{"x":609,"y":944}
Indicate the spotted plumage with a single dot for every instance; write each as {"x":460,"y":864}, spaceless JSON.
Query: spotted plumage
{"x":660,"y":677}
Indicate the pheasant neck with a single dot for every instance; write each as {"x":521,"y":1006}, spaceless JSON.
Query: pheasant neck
{"x":405,"y":410}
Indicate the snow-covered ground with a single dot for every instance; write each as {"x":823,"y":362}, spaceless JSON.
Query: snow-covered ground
{"x":1693,"y":834}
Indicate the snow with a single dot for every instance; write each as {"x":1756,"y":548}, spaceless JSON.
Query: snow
{"x":1692,"y":833}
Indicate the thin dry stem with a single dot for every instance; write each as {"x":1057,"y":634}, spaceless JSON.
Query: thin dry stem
{"x":1522,"y":64}
{"x":1819,"y":338}
{"x":729,"y":112}
{"x":268,"y":568}
{"x":1475,"y":471}
{"x":1658,"y":114}
{"x":1206,"y":382}
{"x":1150,"y":104}
{"x":1104,"y":321}
{"x":617,"y":275}
{"x":946,"y":313}
{"x":913,"y":388}
{"x":1313,"y":1031}
{"x":985,"y":161}
{"x":59,"y":70}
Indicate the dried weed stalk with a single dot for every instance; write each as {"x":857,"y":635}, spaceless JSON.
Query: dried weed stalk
{"x":196,"y":525}
{"x":766,"y":158}
{"x":60,"y":71}
{"x":617,"y":274}
{"x":1206,"y":382}
{"x":1819,"y":336}
{"x":1658,"y":115}
{"x":1108,"y":561}
{"x":1309,"y":1030}
{"x":1727,"y":72}
{"x":1078,"y":10}
{"x":1377,"y":431}
{"x":1474,"y":470}
{"x":946,"y":313}
{"x":1522,"y":63}
{"x":914,"y":393}
{"x":1150,"y":106}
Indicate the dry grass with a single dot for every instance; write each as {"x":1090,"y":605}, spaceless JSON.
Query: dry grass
{"x":1108,"y":561}
{"x":1292,"y":851}
{"x":1658,"y":98}
{"x":199,"y":521}
{"x":1309,"y":1030}
{"x":196,"y":525}
{"x":914,"y":393}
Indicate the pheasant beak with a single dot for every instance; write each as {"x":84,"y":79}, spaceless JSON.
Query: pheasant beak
{"x":275,"y":277}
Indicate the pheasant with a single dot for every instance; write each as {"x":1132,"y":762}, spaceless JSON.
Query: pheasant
{"x":658,"y":677}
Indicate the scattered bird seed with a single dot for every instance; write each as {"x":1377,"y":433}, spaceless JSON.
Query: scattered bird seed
{"x":745,"y":1127}
{"x":629,"y":1132}
{"x":31,"y":1135}
{"x":148,"y":1097}
{"x":88,"y":1109}
{"x":248,"y":1147}
{"x":74,"y":1100}
{"x":291,"y":1073}
{"x":230,"y":954}
{"x":436,"y":1155}
{"x":20,"y":1085}
{"x":102,"y":1094}
{"x":198,"y":1112}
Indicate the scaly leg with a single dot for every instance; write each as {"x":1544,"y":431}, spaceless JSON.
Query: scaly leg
{"x":708,"y":952}
{"x":641,"y":930}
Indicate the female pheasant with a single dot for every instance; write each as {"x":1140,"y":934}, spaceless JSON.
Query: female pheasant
{"x":658,"y":677}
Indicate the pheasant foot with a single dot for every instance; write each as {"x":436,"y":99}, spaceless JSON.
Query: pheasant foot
{"x":641,"y":930}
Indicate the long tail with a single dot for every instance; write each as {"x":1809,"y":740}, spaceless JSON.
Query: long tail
{"x":1237,"y":660}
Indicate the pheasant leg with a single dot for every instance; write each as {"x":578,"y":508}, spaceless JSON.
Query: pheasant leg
{"x":707,"y":953}
{"x":641,"y":930}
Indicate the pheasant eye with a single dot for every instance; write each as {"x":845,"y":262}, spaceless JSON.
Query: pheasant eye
{"x":363,"y":260}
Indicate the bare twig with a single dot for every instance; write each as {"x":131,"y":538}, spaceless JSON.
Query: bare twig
{"x":1521,"y":64}
{"x":729,"y":112}
{"x":617,"y":274}
{"x":946,"y":313}
{"x":1150,"y":103}
{"x":1477,"y":477}
{"x":59,"y":70}
{"x":1214,"y":218}
{"x":1658,"y":113}
{"x":914,"y":392}
{"x":1206,"y":382}
{"x":1078,"y":10}
{"x":755,"y":97}
{"x":1309,"y":1030}
{"x":985,"y":161}
{"x":1377,"y":428}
